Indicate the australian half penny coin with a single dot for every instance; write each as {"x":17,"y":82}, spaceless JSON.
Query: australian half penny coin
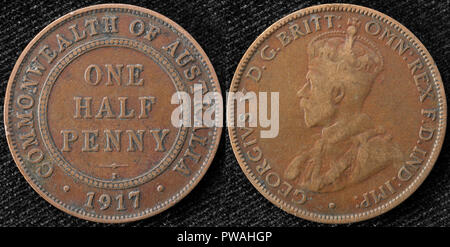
{"x":89,"y":113}
{"x":360,"y":106}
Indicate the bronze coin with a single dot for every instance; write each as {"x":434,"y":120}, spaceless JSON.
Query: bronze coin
{"x":361,"y":110}
{"x":89,"y":113}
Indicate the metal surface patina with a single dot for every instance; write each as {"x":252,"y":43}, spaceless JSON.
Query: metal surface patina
{"x":362,"y":113}
{"x":88,"y":113}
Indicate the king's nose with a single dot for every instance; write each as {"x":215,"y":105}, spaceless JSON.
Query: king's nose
{"x":302,"y":93}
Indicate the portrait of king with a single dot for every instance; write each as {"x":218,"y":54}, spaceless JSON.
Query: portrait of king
{"x":342,"y":68}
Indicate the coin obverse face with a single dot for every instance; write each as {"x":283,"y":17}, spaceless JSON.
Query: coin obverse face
{"x":362,"y":113}
{"x":88,"y":113}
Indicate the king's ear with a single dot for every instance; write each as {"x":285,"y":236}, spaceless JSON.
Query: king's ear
{"x":337,"y":93}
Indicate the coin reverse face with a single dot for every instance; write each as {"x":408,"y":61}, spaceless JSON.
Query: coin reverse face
{"x":360,"y":106}
{"x":89,"y":109}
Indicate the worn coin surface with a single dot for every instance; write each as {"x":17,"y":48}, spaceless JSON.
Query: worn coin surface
{"x":357,"y":113}
{"x":89,"y":113}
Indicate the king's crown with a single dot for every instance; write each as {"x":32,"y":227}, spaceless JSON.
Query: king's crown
{"x":345,"y":52}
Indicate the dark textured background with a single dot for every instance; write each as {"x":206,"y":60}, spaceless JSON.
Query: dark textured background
{"x":224,"y":29}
